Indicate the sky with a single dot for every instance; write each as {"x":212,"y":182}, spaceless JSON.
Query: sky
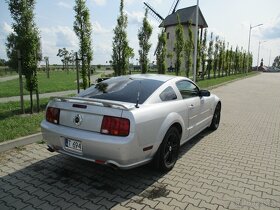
{"x":228,"y":19}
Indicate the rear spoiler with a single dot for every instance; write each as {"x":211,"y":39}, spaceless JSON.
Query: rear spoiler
{"x":93,"y":101}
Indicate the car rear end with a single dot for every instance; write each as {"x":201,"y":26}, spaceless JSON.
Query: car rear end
{"x":92,"y":130}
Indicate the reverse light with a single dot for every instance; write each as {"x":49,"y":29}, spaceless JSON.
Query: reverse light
{"x":52,"y":115}
{"x":115,"y":126}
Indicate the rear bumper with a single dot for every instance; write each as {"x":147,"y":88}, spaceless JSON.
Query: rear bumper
{"x":122,"y":152}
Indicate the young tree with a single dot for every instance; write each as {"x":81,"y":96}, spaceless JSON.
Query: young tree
{"x":27,"y":40}
{"x":161,"y":53}
{"x":179,"y":45}
{"x":82,"y":28}
{"x":121,"y":50}
{"x":203,"y":53}
{"x":210,"y":56}
{"x":188,"y":50}
{"x":64,"y":54}
{"x":144,"y":35}
{"x":12,"y":51}
{"x":216,"y":55}
{"x":276,"y":62}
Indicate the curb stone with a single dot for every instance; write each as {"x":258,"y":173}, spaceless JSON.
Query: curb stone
{"x":22,"y":141}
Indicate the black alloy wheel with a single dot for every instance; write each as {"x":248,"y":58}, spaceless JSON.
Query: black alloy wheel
{"x":216,"y":118}
{"x":168,"y":152}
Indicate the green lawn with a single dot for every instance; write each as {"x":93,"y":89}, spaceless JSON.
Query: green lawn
{"x":14,"y":125}
{"x":58,"y":81}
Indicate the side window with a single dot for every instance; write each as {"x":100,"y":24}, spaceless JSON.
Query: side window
{"x":187,"y":89}
{"x":168,"y":94}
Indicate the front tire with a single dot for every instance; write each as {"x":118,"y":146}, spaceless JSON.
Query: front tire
{"x":168,"y":151}
{"x":216,"y":118}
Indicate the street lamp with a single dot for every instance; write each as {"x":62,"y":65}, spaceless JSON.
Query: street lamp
{"x":259,"y":53}
{"x":195,"y":42}
{"x":251,"y":27}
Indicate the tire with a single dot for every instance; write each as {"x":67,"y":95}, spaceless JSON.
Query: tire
{"x":216,"y":118}
{"x":168,"y":151}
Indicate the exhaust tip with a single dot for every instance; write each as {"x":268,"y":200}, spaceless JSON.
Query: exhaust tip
{"x":50,"y":149}
{"x":113,"y":166}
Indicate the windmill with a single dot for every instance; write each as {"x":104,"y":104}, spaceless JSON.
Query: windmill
{"x":187,"y":15}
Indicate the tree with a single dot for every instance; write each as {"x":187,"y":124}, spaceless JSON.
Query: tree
{"x":179,"y":45}
{"x":144,"y":35}
{"x":216,"y":55}
{"x":161,"y":53}
{"x":188,"y":50}
{"x":210,"y":56}
{"x":12,"y":51}
{"x":121,"y":50}
{"x":82,"y":28}
{"x":203,"y":53}
{"x":27,"y":40}
{"x":276,"y":62}
{"x":64,"y":54}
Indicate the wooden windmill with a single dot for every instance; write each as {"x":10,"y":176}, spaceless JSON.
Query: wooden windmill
{"x":169,"y":23}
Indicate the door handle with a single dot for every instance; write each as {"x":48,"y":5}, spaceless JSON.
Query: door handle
{"x":191,"y":106}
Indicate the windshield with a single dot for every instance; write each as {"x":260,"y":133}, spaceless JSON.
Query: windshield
{"x":124,"y":89}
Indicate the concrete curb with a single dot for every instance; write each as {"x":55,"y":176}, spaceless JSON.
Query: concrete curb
{"x":7,"y":145}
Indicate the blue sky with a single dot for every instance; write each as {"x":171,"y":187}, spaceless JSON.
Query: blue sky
{"x":230,"y":19}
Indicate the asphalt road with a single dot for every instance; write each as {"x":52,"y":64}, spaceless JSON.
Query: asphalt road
{"x":235,"y":167}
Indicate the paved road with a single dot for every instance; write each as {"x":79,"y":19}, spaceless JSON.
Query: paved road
{"x":235,"y":167}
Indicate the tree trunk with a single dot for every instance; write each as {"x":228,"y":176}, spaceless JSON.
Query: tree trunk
{"x":31,"y":102}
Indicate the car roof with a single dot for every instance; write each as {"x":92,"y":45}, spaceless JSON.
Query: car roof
{"x":159,"y":77}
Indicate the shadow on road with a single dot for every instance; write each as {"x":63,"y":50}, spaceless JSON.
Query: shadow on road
{"x":78,"y":182}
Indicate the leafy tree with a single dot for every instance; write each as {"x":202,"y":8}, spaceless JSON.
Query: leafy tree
{"x":221,"y":57}
{"x":144,"y":35}
{"x":276,"y":62}
{"x":82,"y":28}
{"x":230,"y":61}
{"x":121,"y":50}
{"x":27,"y":40}
{"x":161,"y":53}
{"x":65,"y":58}
{"x":210,"y":56}
{"x":203,"y":52}
{"x":216,"y":55}
{"x":236,"y":60}
{"x":12,"y":51}
{"x":3,"y":62}
{"x":179,"y":45}
{"x":188,"y":50}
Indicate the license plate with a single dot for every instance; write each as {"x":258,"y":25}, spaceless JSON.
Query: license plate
{"x":73,"y":145}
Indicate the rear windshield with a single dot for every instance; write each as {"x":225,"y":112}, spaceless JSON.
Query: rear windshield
{"x":123,"y":89}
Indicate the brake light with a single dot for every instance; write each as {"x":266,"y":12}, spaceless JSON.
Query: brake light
{"x":115,"y":126}
{"x":52,"y":115}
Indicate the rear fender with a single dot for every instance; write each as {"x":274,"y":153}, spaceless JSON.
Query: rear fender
{"x":171,"y":119}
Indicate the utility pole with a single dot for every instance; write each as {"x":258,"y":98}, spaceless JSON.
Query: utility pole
{"x":195,"y":42}
{"x":20,"y":82}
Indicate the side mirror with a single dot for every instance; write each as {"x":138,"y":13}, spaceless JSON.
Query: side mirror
{"x":204,"y":93}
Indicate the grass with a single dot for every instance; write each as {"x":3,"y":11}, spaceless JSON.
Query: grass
{"x":213,"y":82}
{"x":14,"y":125}
{"x":58,"y":81}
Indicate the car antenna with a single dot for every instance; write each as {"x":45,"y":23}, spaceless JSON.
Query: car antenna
{"x":138,"y":95}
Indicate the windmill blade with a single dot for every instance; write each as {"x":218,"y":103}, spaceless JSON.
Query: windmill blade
{"x":174,"y":7}
{"x":153,"y":12}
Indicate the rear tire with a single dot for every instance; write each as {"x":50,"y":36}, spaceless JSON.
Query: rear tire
{"x":216,"y":118}
{"x":168,"y":151}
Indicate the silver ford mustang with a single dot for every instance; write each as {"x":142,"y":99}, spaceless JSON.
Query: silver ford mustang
{"x":131,"y":120}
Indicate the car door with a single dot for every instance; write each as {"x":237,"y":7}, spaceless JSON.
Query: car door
{"x":194,"y":105}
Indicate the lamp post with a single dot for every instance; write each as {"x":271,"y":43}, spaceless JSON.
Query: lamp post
{"x":259,"y":53}
{"x":195,"y":42}
{"x":251,"y":27}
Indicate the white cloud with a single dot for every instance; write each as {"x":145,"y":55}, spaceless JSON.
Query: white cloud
{"x":7,"y":28}
{"x":65,"y":5}
{"x":56,"y":37}
{"x":98,"y":29}
{"x":135,"y":17}
{"x":271,"y":30}
{"x":100,"y":2}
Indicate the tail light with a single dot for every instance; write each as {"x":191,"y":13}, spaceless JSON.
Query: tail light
{"x":115,"y":126}
{"x":52,"y":115}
